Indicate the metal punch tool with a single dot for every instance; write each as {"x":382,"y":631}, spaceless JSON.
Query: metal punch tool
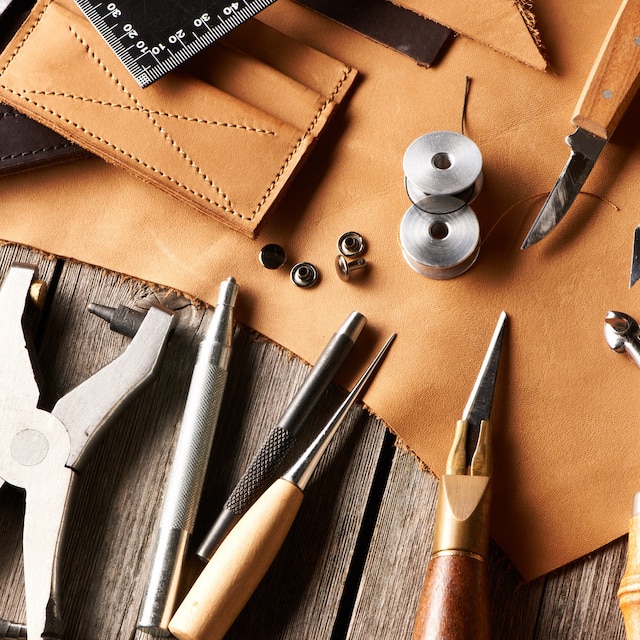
{"x":41,"y":451}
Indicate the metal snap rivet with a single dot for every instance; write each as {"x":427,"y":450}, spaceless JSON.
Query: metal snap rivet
{"x":304,"y":274}
{"x":344,"y":267}
{"x":351,"y":244}
{"x":272,"y":256}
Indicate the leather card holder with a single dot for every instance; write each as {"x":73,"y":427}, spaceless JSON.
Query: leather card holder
{"x":225,"y":132}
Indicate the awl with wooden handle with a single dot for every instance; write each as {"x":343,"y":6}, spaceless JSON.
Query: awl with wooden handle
{"x":454,"y":604}
{"x":244,"y":556}
{"x":612,"y":83}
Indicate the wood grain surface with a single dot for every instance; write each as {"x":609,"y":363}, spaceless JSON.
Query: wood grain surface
{"x":354,"y":563}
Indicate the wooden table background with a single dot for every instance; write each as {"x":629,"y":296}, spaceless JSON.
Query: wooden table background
{"x":353,"y":564}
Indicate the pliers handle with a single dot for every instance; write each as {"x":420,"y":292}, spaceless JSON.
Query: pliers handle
{"x":39,"y":450}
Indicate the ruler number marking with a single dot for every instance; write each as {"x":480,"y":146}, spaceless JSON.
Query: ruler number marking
{"x":149,"y":54}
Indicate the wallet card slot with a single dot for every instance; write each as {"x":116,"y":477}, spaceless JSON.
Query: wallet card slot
{"x":257,"y":84}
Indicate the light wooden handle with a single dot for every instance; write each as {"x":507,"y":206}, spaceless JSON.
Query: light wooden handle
{"x":454,"y":604}
{"x":629,"y":591}
{"x":615,"y":76}
{"x":235,"y":570}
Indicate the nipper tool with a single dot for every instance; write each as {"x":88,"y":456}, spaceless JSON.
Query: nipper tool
{"x":41,"y":451}
{"x":455,"y":597}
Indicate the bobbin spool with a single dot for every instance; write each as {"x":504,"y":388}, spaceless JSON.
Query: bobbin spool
{"x":440,"y":245}
{"x":442,"y":163}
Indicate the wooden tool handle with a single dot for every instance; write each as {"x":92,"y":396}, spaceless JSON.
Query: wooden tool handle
{"x":454,"y":604}
{"x":629,"y":591}
{"x":615,"y":76}
{"x":235,"y":570}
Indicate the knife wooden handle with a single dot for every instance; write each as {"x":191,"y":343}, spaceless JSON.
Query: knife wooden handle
{"x":454,"y":604}
{"x":237,"y":567}
{"x":615,"y":76}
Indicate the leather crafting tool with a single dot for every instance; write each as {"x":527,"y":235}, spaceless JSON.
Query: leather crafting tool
{"x":189,"y":466}
{"x":151,"y":40}
{"x":236,"y":569}
{"x":41,"y":452}
{"x":611,"y":85}
{"x":282,"y":437}
{"x":455,"y":597}
{"x":622,"y":334}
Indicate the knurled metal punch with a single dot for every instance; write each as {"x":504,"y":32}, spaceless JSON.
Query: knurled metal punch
{"x":41,"y":451}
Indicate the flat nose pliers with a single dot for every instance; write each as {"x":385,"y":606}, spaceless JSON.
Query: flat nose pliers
{"x":41,"y":451}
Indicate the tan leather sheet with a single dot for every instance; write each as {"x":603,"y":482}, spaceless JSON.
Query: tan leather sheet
{"x":566,"y":417}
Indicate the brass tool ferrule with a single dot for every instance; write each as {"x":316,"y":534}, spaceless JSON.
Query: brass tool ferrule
{"x":462,"y":515}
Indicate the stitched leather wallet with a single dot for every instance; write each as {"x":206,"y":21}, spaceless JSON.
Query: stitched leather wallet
{"x":224,"y":133}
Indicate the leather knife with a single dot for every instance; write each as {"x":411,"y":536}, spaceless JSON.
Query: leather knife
{"x":611,"y":85}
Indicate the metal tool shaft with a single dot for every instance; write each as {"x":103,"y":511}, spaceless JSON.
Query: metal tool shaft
{"x":189,"y":466}
{"x":262,"y":469}
{"x":301,"y":472}
{"x":227,"y":582}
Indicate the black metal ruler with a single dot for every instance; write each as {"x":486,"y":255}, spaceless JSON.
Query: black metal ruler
{"x":153,"y":37}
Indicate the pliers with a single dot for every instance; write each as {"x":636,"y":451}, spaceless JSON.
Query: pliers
{"x":41,"y":451}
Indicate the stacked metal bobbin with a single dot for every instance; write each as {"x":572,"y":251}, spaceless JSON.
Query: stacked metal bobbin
{"x":440,"y":233}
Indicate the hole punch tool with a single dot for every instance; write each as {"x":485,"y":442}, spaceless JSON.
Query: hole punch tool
{"x":454,"y":603}
{"x":41,"y":451}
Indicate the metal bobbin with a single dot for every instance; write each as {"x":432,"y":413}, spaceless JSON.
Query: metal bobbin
{"x":440,"y":245}
{"x":443,"y":163}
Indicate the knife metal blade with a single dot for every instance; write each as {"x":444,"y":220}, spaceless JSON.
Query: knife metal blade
{"x":634,"y":275}
{"x":585,"y":150}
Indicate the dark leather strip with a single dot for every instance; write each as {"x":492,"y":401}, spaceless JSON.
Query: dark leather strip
{"x":393,"y":26}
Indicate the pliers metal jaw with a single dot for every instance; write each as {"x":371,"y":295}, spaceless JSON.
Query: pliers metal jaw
{"x":41,"y":451}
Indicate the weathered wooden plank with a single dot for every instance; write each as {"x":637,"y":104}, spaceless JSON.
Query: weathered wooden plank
{"x":580,"y":599}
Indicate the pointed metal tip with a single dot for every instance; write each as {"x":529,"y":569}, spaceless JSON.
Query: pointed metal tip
{"x":530,"y":240}
{"x":481,"y":399}
{"x":634,"y":273}
{"x":102,"y":311}
{"x":228,"y":292}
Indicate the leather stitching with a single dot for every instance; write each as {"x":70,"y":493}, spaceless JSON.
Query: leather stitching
{"x":332,"y":96}
{"x":154,"y":112}
{"x":150,"y":113}
{"x":34,"y":152}
{"x":226,"y":206}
